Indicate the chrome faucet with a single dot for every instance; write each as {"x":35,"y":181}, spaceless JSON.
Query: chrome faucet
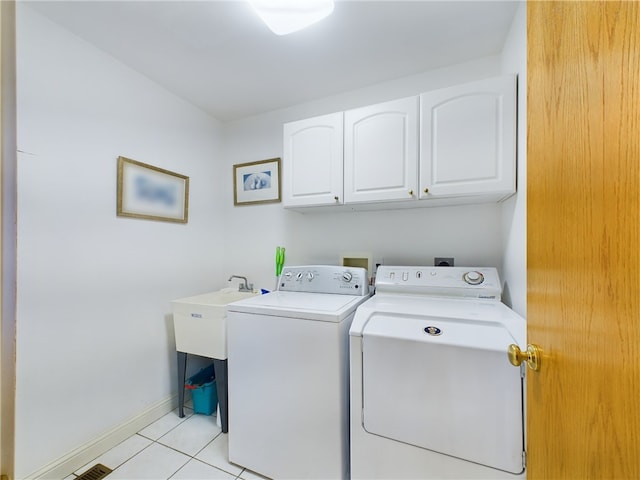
{"x":243,"y":287}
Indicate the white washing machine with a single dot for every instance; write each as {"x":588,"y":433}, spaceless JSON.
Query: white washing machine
{"x":289,"y":374}
{"x":433,"y":394}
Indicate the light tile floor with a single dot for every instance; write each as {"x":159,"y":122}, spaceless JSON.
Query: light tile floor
{"x":189,"y":448}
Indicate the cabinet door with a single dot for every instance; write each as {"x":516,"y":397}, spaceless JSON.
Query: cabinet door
{"x":381,"y":152}
{"x":312,"y":161}
{"x":467,"y":142}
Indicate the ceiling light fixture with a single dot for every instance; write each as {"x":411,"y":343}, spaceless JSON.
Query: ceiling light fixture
{"x":287,"y":16}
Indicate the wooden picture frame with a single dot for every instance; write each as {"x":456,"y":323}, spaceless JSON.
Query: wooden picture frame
{"x":152,"y":193}
{"x":257,"y":182}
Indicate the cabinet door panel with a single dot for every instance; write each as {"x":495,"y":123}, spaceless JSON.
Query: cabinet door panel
{"x":468,"y":139}
{"x":312,"y":163}
{"x":381,"y":151}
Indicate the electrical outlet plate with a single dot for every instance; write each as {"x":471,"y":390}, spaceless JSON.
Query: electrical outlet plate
{"x":443,"y":261}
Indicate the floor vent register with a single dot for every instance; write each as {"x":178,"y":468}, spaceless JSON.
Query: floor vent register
{"x":96,"y":472}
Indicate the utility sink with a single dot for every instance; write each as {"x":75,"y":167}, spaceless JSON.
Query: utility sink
{"x":200,"y":322}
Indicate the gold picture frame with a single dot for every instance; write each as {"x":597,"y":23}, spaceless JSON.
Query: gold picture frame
{"x":257,"y":182}
{"x":151,"y":193}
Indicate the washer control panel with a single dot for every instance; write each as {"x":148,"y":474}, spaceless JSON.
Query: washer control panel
{"x":473,"y":282}
{"x":324,"y":279}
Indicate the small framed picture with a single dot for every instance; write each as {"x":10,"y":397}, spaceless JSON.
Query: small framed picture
{"x":152,"y":193}
{"x":257,"y":182}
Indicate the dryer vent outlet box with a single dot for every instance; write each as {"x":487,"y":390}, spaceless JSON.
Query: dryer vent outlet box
{"x":362,"y":260}
{"x":443,"y":261}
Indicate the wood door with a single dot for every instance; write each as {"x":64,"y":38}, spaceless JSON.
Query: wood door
{"x":8,"y":241}
{"x":584,"y":239}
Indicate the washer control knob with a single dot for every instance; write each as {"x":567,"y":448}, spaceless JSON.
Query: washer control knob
{"x":288,"y":275}
{"x":299,"y":276}
{"x":310,"y":276}
{"x":347,"y":276}
{"x":473,"y":278}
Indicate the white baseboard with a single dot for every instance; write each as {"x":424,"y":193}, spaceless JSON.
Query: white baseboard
{"x":69,"y":463}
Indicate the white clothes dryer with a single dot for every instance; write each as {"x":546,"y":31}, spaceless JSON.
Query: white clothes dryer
{"x":289,"y":374}
{"x":433,"y":394}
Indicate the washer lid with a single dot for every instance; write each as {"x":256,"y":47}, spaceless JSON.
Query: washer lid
{"x":309,"y":306}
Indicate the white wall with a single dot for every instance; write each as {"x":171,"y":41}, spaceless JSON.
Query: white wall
{"x":514,"y":266}
{"x":472,"y":234}
{"x":95,"y":339}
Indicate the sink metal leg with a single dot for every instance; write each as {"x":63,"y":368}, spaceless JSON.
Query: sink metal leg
{"x":182,"y":371}
{"x":220,"y":367}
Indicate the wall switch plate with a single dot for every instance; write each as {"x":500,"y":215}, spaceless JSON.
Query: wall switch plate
{"x":443,"y":261}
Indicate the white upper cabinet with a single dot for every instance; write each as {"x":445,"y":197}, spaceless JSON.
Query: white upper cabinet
{"x":450,"y":146}
{"x":468,"y":140}
{"x":381,"y":152}
{"x":312,"y":161}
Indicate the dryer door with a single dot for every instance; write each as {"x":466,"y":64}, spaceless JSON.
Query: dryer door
{"x":444,"y":385}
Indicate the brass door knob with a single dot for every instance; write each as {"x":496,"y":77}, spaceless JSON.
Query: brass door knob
{"x":336,"y":198}
{"x":426,"y":190}
{"x":411,"y":193}
{"x":532,"y":356}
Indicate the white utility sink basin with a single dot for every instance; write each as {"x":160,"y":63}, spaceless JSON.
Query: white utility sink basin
{"x":200,"y":322}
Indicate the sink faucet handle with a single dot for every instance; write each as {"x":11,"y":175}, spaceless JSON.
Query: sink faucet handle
{"x":242,"y":287}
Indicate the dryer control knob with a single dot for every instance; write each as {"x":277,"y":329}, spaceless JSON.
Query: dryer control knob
{"x":473,"y":278}
{"x":310,"y":276}
{"x":346,"y":277}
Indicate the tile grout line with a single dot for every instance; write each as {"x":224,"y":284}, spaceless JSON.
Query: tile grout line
{"x":131,"y":457}
{"x":190,"y":457}
{"x":186,"y":417}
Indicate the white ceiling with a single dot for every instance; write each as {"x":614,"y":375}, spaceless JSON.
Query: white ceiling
{"x":219,"y":56}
